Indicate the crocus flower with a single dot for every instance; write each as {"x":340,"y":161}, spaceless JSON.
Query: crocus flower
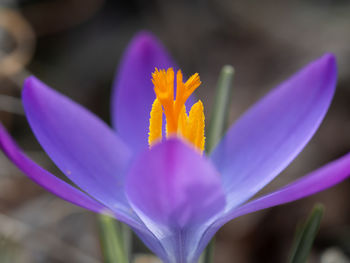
{"x":174,"y":197}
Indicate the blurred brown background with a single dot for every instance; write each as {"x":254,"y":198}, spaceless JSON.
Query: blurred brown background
{"x":75,"y":46}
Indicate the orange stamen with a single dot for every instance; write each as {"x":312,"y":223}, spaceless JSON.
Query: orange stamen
{"x":178,"y":123}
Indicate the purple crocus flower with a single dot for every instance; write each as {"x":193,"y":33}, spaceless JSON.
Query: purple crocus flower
{"x":172,"y":197}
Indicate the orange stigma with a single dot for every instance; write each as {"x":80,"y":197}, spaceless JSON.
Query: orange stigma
{"x":178,"y":123}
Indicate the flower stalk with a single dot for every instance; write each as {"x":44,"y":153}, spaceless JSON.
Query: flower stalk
{"x":115,"y":239}
{"x":217,"y":127}
{"x":220,"y":110}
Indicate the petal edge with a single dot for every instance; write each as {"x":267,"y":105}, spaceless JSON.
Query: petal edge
{"x":133,"y":93}
{"x":274,"y":130}
{"x":43,"y":177}
{"x":82,"y":146}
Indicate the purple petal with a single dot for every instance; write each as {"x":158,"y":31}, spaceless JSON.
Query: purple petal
{"x":133,"y":93}
{"x":57,"y":186}
{"x":319,"y":180}
{"x":173,"y":185}
{"x":273,"y":132}
{"x":81,"y":145}
{"x":153,"y":243}
{"x":175,"y":191}
{"x":43,"y":177}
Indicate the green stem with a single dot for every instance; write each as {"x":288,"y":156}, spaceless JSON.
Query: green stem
{"x":209,"y":252}
{"x":115,"y":240}
{"x":220,"y":110}
{"x":217,"y":127}
{"x":305,"y":236}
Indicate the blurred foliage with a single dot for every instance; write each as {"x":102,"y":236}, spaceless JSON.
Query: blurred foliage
{"x":8,"y":250}
{"x":305,"y":236}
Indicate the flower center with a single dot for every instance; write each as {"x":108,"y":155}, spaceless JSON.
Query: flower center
{"x":178,"y":123}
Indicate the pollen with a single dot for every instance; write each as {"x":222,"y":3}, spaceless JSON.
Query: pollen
{"x":178,"y":123}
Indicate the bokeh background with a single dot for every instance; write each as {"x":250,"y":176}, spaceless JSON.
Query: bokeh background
{"x":75,"y":46}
